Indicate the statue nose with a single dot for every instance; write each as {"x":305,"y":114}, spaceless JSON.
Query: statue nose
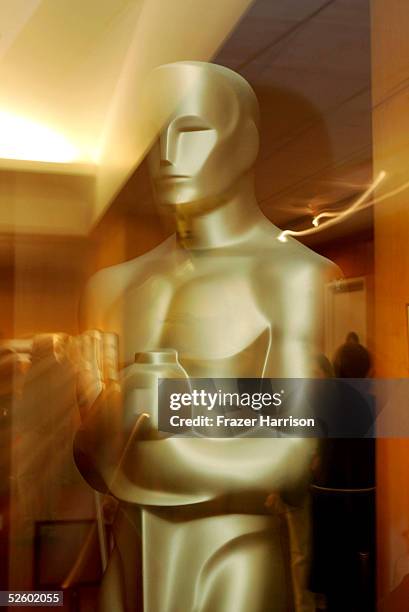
{"x":165,"y":148}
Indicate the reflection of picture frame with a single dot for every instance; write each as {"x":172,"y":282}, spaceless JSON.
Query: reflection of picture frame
{"x":345,"y":311}
{"x":57,"y":546}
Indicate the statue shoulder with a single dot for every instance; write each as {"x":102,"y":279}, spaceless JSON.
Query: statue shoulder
{"x":325,"y":270}
{"x":295,"y":261}
{"x":108,"y":284}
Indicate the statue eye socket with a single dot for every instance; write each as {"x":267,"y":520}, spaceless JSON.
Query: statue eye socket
{"x":194,"y":128}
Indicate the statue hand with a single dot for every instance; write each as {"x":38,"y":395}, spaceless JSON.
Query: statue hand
{"x":106,"y":433}
{"x":97,"y":367}
{"x":106,"y":422}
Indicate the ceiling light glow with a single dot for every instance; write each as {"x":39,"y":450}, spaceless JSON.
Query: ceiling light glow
{"x":26,"y":140}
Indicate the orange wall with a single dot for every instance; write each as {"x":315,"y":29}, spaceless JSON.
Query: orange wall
{"x":121,"y":236}
{"x":6,"y":302}
{"x":48,"y":277}
{"x":390,"y":91}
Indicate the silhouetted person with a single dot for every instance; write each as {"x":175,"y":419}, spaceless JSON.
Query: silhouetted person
{"x":324,"y":367}
{"x":343,"y":494}
{"x":352,"y":360}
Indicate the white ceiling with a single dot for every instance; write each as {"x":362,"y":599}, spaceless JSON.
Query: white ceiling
{"x":59,"y":63}
{"x":71,"y":72}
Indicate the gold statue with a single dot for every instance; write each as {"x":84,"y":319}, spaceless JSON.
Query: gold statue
{"x":232,"y":301}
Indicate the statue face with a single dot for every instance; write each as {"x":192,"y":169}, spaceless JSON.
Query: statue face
{"x":206,"y":144}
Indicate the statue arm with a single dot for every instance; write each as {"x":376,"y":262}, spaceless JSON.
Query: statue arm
{"x":136,"y":467}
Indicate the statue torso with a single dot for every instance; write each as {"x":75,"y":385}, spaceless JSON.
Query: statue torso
{"x":250,"y":311}
{"x":223,"y":310}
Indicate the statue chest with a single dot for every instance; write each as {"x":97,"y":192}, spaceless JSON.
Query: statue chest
{"x":213,"y":320}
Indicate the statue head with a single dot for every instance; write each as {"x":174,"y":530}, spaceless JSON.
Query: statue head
{"x":206,"y":118}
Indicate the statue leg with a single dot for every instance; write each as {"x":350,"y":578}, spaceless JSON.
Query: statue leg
{"x":248,"y":573}
{"x":299,"y":530}
{"x":112,"y":591}
{"x":121,"y":589}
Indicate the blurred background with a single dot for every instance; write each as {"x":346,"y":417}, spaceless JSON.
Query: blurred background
{"x":332,"y":80}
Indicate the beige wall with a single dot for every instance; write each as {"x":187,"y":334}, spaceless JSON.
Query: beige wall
{"x":355,"y":258}
{"x":48,"y":279}
{"x":40,"y":285}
